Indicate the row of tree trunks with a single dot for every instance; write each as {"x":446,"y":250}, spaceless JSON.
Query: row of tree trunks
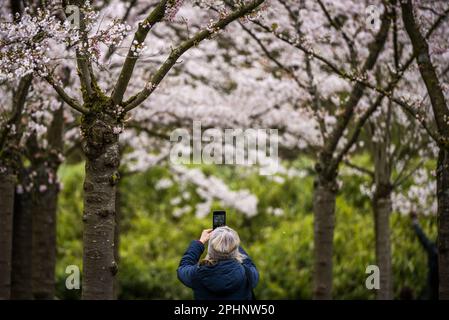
{"x":45,"y":208}
{"x":34,"y":243}
{"x":34,"y":236}
{"x":9,"y":164}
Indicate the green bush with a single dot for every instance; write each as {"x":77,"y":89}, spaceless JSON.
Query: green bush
{"x":153,"y":240}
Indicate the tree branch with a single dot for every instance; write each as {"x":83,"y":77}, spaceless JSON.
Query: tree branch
{"x":359,"y":168}
{"x":139,"y":37}
{"x":356,"y":133}
{"x":18,"y":103}
{"x":64,"y":96}
{"x":272,"y":58}
{"x":83,"y":65}
{"x":112,"y":48}
{"x":183,"y":47}
{"x":401,"y":177}
{"x":349,"y":42}
{"x":357,"y":92}
{"x":427,"y":70}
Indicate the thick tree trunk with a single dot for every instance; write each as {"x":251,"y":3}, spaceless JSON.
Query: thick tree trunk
{"x":382,"y":208}
{"x":44,"y":241}
{"x":7,"y":186}
{"x":443,"y":222}
{"x":324,"y":198}
{"x":21,"y":287}
{"x":102,"y":162}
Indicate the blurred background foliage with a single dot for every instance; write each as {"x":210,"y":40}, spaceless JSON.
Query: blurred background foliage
{"x":153,"y":240}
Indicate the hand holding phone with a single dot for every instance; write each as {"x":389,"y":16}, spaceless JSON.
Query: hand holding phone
{"x":219,"y":219}
{"x":205,"y":235}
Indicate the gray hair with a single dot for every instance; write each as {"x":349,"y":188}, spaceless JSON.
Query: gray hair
{"x":224,"y":244}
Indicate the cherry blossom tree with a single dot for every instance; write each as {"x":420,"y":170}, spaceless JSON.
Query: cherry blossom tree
{"x":333,"y":126}
{"x":339,"y":130}
{"x":317,"y":102}
{"x":10,"y":136}
{"x":36,"y":141}
{"x":437,"y":95}
{"x":319,"y":72}
{"x":397,"y":163}
{"x":102,"y":114}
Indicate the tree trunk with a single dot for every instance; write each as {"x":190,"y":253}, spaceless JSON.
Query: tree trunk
{"x":45,"y":203}
{"x":382,"y":208}
{"x":324,"y":198}
{"x":44,"y":241}
{"x":21,"y":255}
{"x":102,"y":160}
{"x":441,"y":113}
{"x":7,"y":186}
{"x":443,"y":222}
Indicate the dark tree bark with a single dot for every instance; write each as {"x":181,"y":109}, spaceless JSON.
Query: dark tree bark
{"x":44,"y":211}
{"x":7,"y":186}
{"x":324,"y":197}
{"x":102,"y":161}
{"x":382,"y":208}
{"x":21,"y":257}
{"x":44,"y":243}
{"x":10,"y":162}
{"x":443,"y":222}
{"x":441,"y":114}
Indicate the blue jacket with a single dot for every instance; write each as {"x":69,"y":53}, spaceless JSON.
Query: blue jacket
{"x":224,"y":280}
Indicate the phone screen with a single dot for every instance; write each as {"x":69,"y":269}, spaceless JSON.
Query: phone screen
{"x":219,"y":219}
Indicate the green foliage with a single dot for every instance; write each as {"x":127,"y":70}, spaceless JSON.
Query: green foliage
{"x":153,"y":240}
{"x":69,"y":227}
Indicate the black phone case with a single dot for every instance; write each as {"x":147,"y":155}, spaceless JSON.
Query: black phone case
{"x":219,"y":219}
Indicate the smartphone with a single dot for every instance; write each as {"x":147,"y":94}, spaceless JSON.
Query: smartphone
{"x":219,"y":219}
